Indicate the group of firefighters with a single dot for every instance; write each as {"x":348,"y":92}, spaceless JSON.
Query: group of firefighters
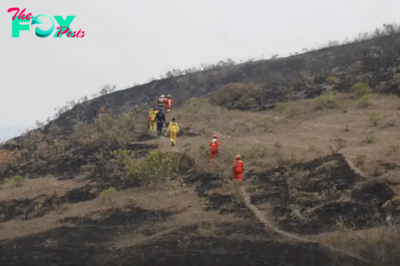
{"x":157,"y":120}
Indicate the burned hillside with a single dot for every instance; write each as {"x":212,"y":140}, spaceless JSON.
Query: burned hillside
{"x":321,"y":183}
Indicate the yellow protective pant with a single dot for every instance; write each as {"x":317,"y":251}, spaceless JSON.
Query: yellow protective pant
{"x":153,"y":126}
{"x":172,"y":136}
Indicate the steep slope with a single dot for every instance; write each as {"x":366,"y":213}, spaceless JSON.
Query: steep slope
{"x":321,"y":183}
{"x":299,"y":76}
{"x":299,"y":199}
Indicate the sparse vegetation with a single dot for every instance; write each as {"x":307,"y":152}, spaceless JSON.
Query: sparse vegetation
{"x":343,"y":107}
{"x":255,"y":152}
{"x":332,"y":80}
{"x":393,"y":149}
{"x":15,"y":181}
{"x":106,"y":195}
{"x":361,"y":89}
{"x":280,"y":106}
{"x":116,"y":152}
{"x":336,"y":145}
{"x":375,"y":118}
{"x":365,"y":101}
{"x":158,"y":166}
{"x":327,"y":100}
{"x":237,"y":96}
{"x":370,"y":137}
{"x":292,"y":112}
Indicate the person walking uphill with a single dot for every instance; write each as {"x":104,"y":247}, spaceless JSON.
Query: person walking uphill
{"x":152,"y":119}
{"x":161,"y":102}
{"x":168,"y":104}
{"x":238,"y":168}
{"x":214,"y":144}
{"x":173,"y":130}
{"x":160,"y":120}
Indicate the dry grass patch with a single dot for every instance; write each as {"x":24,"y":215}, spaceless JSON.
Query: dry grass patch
{"x":237,"y":95}
{"x":380,"y":245}
{"x":35,"y":187}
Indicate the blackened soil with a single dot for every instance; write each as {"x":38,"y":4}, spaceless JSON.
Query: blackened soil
{"x":76,"y":245}
{"x":331,"y":172}
{"x":204,"y":183}
{"x":89,"y":244}
{"x":330,"y":217}
{"x":373,"y":192}
{"x":228,"y":204}
{"x":305,"y":198}
{"x":26,"y":209}
{"x":185,"y":247}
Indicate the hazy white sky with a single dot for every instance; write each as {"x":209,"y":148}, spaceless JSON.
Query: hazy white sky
{"x":128,"y":41}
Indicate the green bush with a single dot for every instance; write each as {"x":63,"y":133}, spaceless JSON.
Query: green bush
{"x":365,"y":101}
{"x":327,"y":100}
{"x":157,"y":167}
{"x":375,"y":118}
{"x":361,"y":89}
{"x":15,"y":181}
{"x":107,"y":194}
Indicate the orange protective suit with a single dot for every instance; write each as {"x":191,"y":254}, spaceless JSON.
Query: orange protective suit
{"x":214,"y":144}
{"x":238,"y":168}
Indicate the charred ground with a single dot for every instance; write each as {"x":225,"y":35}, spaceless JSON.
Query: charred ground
{"x":321,"y":184}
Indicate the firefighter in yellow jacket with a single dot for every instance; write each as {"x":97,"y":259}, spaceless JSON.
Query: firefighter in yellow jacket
{"x":152,"y":119}
{"x":173,"y":130}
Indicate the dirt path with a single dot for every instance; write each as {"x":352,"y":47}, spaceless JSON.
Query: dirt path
{"x":165,"y":144}
{"x":260,"y":216}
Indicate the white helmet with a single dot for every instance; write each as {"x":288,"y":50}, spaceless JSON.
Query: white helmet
{"x":162,"y":96}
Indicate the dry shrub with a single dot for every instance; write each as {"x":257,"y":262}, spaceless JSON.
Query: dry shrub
{"x":393,"y":149}
{"x":237,"y":96}
{"x":280,"y":106}
{"x":107,"y":132}
{"x":327,"y":166}
{"x":110,"y":131}
{"x":389,"y":122}
{"x":201,"y":108}
{"x":336,"y":145}
{"x":359,"y":160}
{"x":370,"y":137}
{"x":332,"y":80}
{"x":355,"y":68}
{"x":258,"y":156}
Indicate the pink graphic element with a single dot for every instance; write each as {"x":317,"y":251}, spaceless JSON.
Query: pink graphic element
{"x":21,"y":15}
{"x":66,"y":30}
